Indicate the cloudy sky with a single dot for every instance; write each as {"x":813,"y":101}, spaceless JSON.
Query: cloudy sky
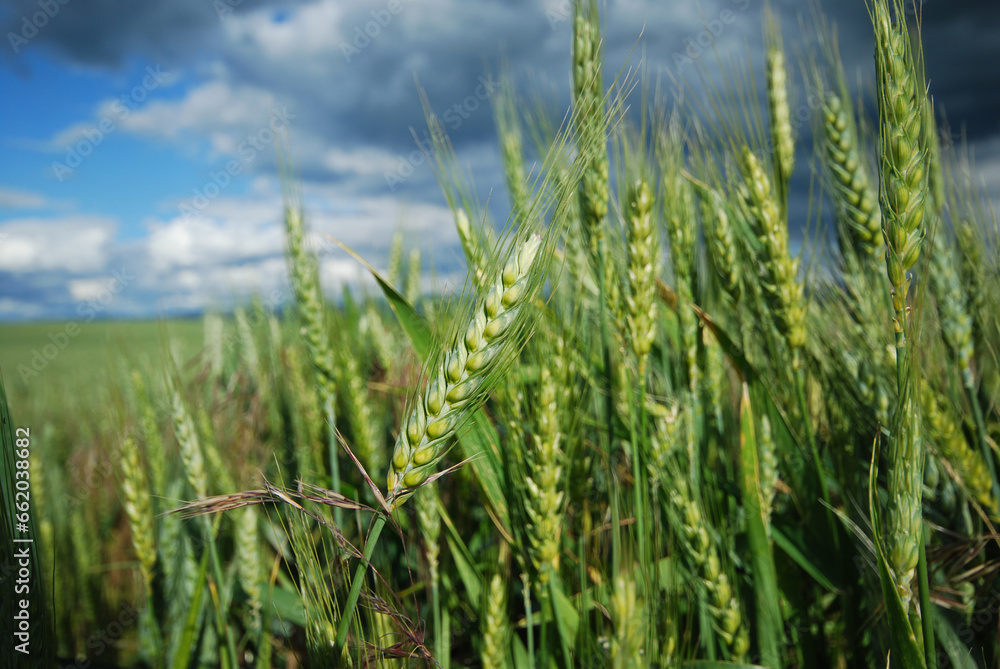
{"x":138,"y":137}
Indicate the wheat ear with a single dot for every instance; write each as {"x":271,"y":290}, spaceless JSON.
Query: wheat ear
{"x":903,"y":202}
{"x":588,"y":99}
{"x":139,"y":510}
{"x":545,"y":495}
{"x":496,"y":626}
{"x":459,"y":380}
{"x":723,"y":602}
{"x":903,"y":159}
{"x":190,"y":449}
{"x":724,"y":252}
{"x":967,"y":464}
{"x":784,"y":293}
{"x":853,"y":190}
{"x":643,"y":270}
{"x":781,"y":124}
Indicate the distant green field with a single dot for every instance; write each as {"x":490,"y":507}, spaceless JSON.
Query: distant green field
{"x":46,"y":366}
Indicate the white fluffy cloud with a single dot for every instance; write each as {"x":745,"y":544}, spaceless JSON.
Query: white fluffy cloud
{"x":74,"y":244}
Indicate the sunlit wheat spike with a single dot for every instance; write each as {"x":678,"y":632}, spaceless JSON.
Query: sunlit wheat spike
{"x":854,"y":192}
{"x":188,"y":444}
{"x":138,"y":510}
{"x":309,"y":299}
{"x":546,"y":497}
{"x":902,"y":155}
{"x":462,"y":377}
{"x":779,"y":276}
{"x":903,"y":201}
{"x":496,"y":626}
{"x":781,"y":124}
{"x":643,"y":270}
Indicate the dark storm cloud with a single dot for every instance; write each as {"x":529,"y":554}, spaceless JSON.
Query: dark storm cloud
{"x":962,"y":50}
{"x":108,"y":32}
{"x":360,"y":90}
{"x":961,"y":40}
